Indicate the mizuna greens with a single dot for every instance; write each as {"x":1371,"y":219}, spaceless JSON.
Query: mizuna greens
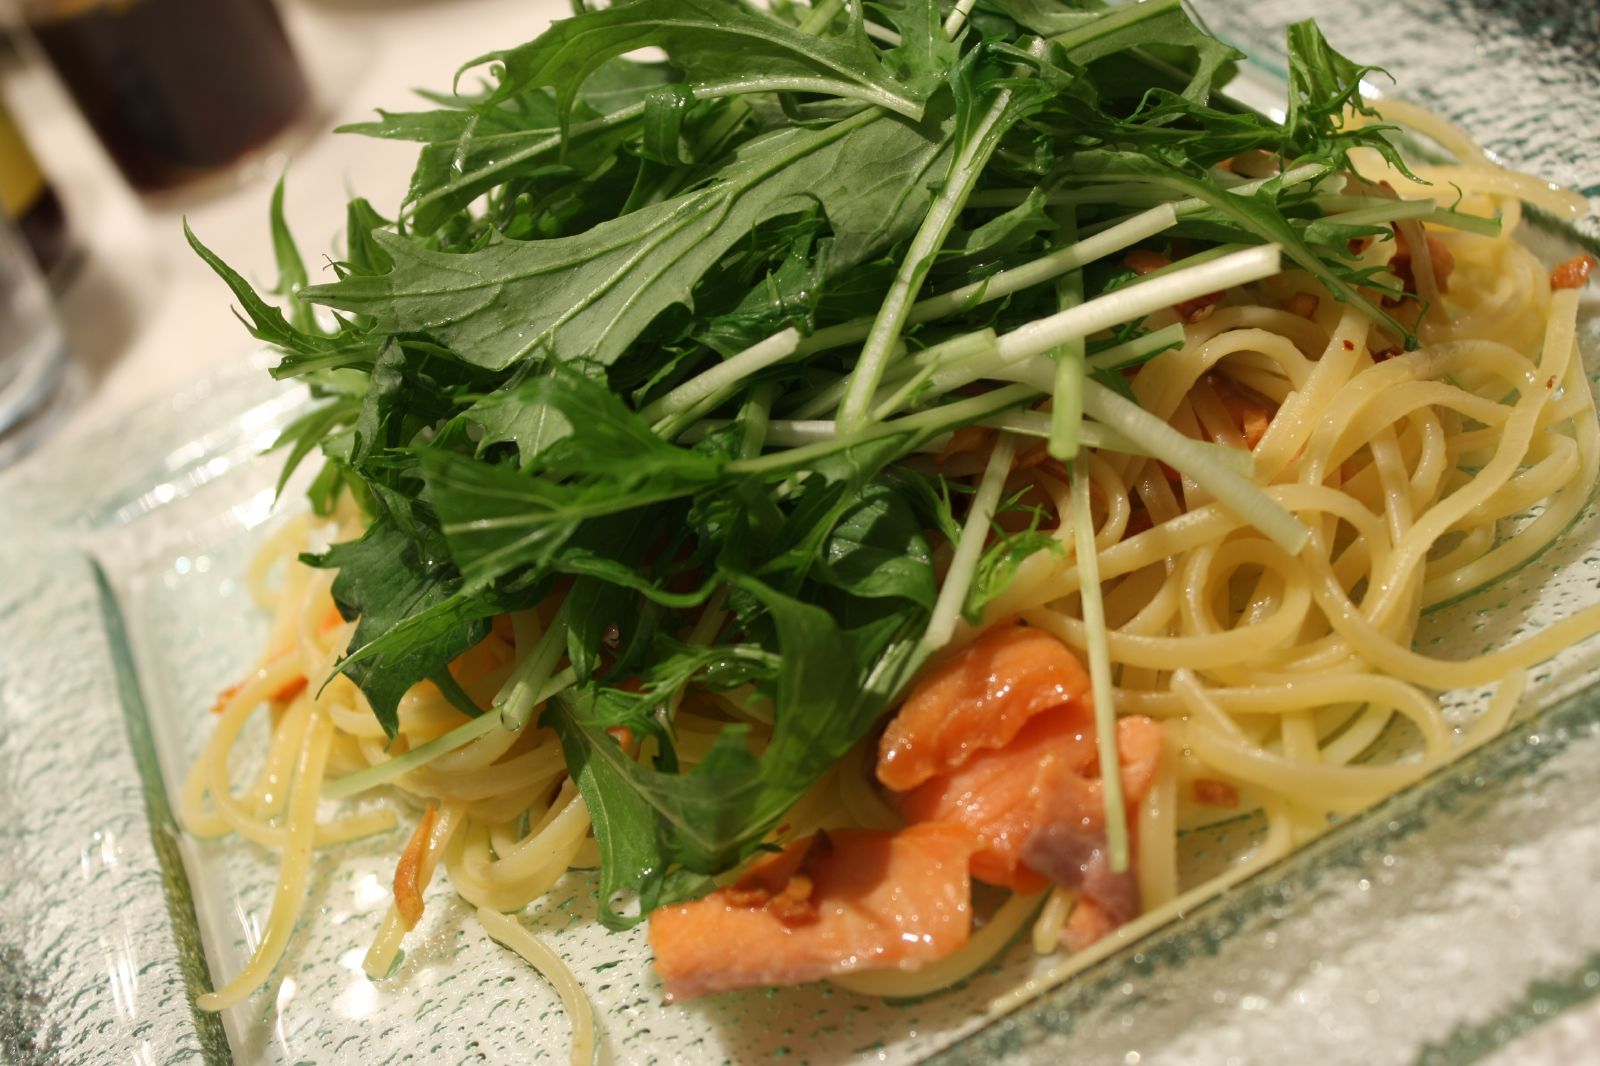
{"x":657,"y":338}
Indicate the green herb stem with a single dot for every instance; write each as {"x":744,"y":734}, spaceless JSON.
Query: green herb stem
{"x":1192,"y":459}
{"x":969,"y":546}
{"x":1379,"y":214}
{"x":794,"y":433}
{"x":390,"y":770}
{"x":1099,"y":655}
{"x":1131,"y":189}
{"x":965,"y":170}
{"x":1066,"y":403}
{"x":958,"y":362}
{"x":523,"y":690}
{"x":757,"y":418}
{"x":1123,"y":235}
{"x":918,"y":426}
{"x":978,"y":356}
{"x":723,"y":378}
{"x":1105,"y":438}
{"x":820,"y":16}
{"x":1371,"y":211}
{"x":1115,"y":19}
{"x":1129,"y":353}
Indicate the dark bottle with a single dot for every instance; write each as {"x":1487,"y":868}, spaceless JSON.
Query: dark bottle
{"x":175,"y":89}
{"x":27,"y":199}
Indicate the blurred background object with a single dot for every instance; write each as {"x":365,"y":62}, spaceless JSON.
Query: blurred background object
{"x":29,"y":201}
{"x":145,"y":319}
{"x":31,"y":345}
{"x":175,"y":89}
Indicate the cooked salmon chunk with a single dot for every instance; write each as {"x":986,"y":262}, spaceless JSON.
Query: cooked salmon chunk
{"x":1049,"y":775}
{"x":978,"y":701}
{"x":844,"y":900}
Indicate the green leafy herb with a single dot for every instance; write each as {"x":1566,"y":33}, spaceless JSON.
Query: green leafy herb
{"x":606,"y":355}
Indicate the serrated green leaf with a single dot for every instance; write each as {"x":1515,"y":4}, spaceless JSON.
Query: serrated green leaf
{"x":590,"y":296}
{"x":717,"y":45}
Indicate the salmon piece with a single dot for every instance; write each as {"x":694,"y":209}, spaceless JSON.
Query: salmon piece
{"x":1088,"y":922}
{"x":839,"y":901}
{"x":978,"y":700}
{"x":1048,"y":775}
{"x":1080,"y":860}
{"x":1198,"y":309}
{"x":1574,"y":273}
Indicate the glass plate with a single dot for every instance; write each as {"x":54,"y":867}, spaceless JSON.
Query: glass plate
{"x":1446,"y":923}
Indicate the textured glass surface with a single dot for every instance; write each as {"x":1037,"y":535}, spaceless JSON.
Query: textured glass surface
{"x":1453,"y":919}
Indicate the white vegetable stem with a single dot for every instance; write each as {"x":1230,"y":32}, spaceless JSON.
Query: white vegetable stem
{"x":725,"y":375}
{"x":1099,"y":649}
{"x":969,"y":548}
{"x":958,"y":18}
{"x":1120,"y":355}
{"x":977,"y":356}
{"x":1136,"y":301}
{"x":1124,"y":234}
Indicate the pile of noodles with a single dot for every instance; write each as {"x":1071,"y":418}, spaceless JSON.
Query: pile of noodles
{"x":1288,"y":685}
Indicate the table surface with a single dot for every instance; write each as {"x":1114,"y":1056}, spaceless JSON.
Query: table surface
{"x":145,"y":316}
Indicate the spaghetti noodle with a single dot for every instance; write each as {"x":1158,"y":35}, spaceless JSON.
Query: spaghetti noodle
{"x":1287,"y":683}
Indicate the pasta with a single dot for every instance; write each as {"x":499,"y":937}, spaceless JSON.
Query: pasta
{"x":1286,"y":683}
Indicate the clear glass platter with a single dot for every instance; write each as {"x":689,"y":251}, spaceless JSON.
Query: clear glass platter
{"x":1450,"y":923}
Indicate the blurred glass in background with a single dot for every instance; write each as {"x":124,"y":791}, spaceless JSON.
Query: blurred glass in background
{"x":29,"y":202}
{"x":31,"y":345}
{"x":175,"y":89}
